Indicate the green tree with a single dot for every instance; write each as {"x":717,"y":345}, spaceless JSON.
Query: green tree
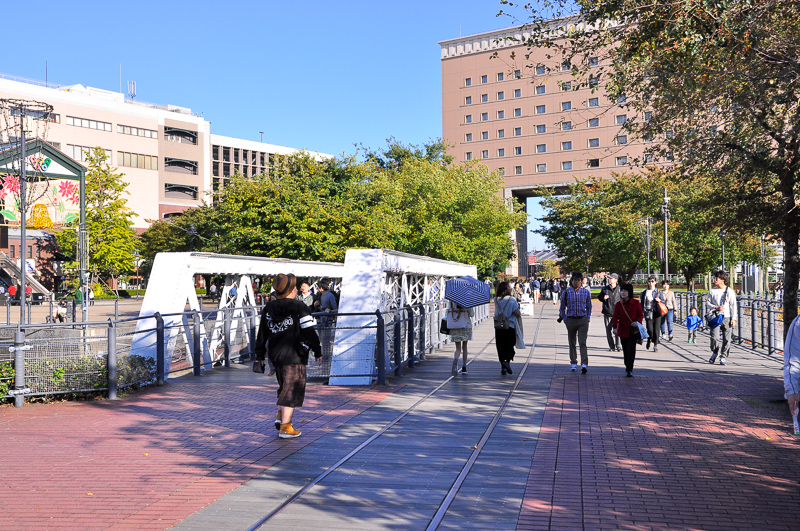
{"x":110,"y":235}
{"x":550,"y":269}
{"x":451,"y":212}
{"x":716,"y":84}
{"x":396,"y":153}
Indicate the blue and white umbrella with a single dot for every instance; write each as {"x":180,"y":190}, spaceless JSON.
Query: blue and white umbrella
{"x":467,"y":292}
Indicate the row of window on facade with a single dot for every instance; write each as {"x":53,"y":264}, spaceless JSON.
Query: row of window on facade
{"x":12,"y":251}
{"x":542,"y":109}
{"x":540,"y":70}
{"x":252,"y":158}
{"x":619,"y":140}
{"x":564,"y":86}
{"x":247,"y":171}
{"x":621,"y":160}
{"x":134,"y":160}
{"x":175,"y":135}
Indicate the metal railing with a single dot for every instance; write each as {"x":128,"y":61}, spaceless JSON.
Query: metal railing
{"x":759,"y":319}
{"x":98,"y":356}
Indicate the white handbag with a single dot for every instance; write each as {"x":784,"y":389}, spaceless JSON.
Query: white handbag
{"x":457,"y":319}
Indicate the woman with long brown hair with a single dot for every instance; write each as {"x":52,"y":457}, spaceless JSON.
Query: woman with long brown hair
{"x":506,"y":308}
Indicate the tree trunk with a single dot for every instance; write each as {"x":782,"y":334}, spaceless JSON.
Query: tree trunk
{"x":791,"y":273}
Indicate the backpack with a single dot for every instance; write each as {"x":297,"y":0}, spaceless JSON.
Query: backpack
{"x":501,"y":322}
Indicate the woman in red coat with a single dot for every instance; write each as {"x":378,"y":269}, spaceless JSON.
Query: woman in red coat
{"x":626,"y":312}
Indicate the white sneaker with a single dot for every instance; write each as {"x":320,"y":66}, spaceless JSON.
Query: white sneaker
{"x":454,"y":370}
{"x":722,"y":361}
{"x":573,"y":367}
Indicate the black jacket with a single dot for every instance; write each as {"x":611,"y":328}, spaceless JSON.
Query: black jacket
{"x":613,"y":298}
{"x":287,"y":328}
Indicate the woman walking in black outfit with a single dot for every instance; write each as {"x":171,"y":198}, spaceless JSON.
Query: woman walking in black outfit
{"x":627,"y":312}
{"x":505,"y":307}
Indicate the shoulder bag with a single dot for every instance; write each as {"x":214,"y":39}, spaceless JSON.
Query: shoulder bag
{"x":662,"y":308}
{"x":715,"y":317}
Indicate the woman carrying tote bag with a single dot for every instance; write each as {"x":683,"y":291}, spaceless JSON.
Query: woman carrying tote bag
{"x":626,"y":320}
{"x":459,"y":321}
{"x":505,"y":335}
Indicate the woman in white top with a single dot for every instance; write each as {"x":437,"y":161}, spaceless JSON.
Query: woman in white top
{"x":505,"y":338}
{"x":459,"y":321}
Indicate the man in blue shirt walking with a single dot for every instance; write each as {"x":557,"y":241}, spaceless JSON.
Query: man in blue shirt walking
{"x":576,"y":310}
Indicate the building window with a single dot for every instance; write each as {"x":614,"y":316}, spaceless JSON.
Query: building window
{"x":517,"y":74}
{"x":180,"y":191}
{"x":468,"y":119}
{"x":566,"y":86}
{"x":226,"y":170}
{"x":594,"y":81}
{"x":594,"y":122}
{"x":594,"y":142}
{"x":540,"y":89}
{"x":566,"y":126}
{"x":540,"y":70}
{"x":621,"y":140}
{"x":501,"y":96}
{"x":517,"y":131}
{"x":541,"y":168}
{"x":484,"y":79}
{"x":484,"y":135}
{"x":136,"y":131}
{"x":566,"y":146}
{"x":517,"y":93}
{"x":518,"y":150}
{"x":468,"y":137}
{"x":500,"y":76}
{"x":137,"y":160}
{"x":670,"y":134}
{"x":181,"y":136}
{"x":501,"y":133}
{"x":236,"y":155}
{"x":484,"y":116}
{"x":593,"y":61}
{"x":501,"y":115}
{"x":594,"y":102}
{"x":567,"y":165}
{"x":468,"y":82}
{"x":594,"y":163}
{"x":484,"y":98}
{"x":215,"y":152}
{"x":215,"y":169}
{"x":469,"y":155}
{"x":485,"y":154}
{"x":180,"y":166}
{"x":648,"y":115}
{"x":518,"y":170}
{"x":541,"y":148}
{"x":468,"y":100}
{"x":621,"y":98}
{"x":226,"y":154}
{"x":565,"y":66}
{"x":56,"y":145}
{"x":501,"y":171}
{"x":501,"y":152}
{"x":566,"y":105}
{"x":648,"y":158}
{"x":669,"y":156}
{"x":13,"y":250}
{"x":540,"y":109}
{"x":80,"y":153}
{"x":88,"y":124}
{"x":541,"y":128}
{"x":518,"y":112}
{"x":30,"y":251}
{"x":622,"y":118}
{"x":622,"y":161}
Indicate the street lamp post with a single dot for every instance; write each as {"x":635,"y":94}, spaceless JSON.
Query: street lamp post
{"x":136,"y":259}
{"x":722,"y":234}
{"x":666,"y":214}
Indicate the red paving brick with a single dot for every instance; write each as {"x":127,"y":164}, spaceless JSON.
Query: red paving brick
{"x":153,"y":458}
{"x":658,"y":452}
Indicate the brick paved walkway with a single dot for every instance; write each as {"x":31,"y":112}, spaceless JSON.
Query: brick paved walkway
{"x":153,"y":458}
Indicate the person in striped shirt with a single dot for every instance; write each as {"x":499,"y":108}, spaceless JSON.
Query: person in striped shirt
{"x":576,"y":311}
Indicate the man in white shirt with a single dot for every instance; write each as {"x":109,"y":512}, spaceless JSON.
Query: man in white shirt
{"x":723,"y":299}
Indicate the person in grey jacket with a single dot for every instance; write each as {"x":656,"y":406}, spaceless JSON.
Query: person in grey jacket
{"x":609,"y":296}
{"x":723,"y":299}
{"x":791,"y":365}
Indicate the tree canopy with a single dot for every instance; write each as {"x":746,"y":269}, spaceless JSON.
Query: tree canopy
{"x":407,"y":199}
{"x":110,"y":235}
{"x":714,"y":84}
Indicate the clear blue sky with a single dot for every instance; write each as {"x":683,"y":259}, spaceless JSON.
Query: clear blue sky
{"x":324,"y":76}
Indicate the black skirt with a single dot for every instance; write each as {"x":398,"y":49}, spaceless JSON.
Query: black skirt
{"x":291,"y":384}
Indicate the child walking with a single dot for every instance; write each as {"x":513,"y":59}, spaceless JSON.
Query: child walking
{"x":693,"y":323}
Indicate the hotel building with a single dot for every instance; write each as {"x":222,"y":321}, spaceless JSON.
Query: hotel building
{"x":525,"y":115}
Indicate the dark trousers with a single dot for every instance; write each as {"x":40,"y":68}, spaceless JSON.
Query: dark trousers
{"x":505,"y":341}
{"x":628,"y":352}
{"x":653,"y":329}
{"x":613,"y":339}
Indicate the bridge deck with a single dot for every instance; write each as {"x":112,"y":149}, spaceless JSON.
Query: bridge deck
{"x":681,"y":445}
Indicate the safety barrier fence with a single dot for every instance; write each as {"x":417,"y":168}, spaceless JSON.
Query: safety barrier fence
{"x":47,"y":359}
{"x":759,"y":319}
